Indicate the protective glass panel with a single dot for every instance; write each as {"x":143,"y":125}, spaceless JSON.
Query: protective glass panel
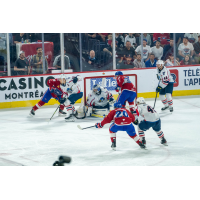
{"x":3,"y":55}
{"x":97,"y":51}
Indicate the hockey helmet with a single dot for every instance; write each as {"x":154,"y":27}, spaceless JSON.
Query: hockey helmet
{"x":117,"y":105}
{"x":75,"y":79}
{"x":62,"y":79}
{"x":160,"y":62}
{"x":118,"y":73}
{"x":96,"y":89}
{"x":140,"y":100}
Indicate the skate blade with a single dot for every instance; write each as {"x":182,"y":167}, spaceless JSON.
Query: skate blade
{"x":70,"y":120}
{"x":165,"y":144}
{"x":113,"y":148}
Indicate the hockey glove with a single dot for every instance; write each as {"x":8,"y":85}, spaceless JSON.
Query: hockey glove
{"x":69,"y":90}
{"x":62,"y":100}
{"x":98,"y":125}
{"x":56,"y":91}
{"x":136,"y":122}
{"x":111,"y":100}
{"x":158,"y":89}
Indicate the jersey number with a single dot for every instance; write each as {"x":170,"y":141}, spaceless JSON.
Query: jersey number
{"x":121,"y":114}
{"x":150,"y":109}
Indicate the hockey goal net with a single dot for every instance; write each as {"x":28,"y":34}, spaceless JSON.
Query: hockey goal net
{"x":108,"y":82}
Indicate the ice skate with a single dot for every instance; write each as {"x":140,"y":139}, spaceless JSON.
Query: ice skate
{"x":61,"y":112}
{"x":171,"y":109}
{"x":113,"y":146}
{"x":142,"y":146}
{"x":143,"y":141}
{"x":164,"y":141}
{"x":69,"y":118}
{"x":32,"y":113}
{"x":165,"y":108}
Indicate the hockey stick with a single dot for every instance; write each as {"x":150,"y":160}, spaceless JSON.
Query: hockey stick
{"x":156,"y":96}
{"x":85,"y":127}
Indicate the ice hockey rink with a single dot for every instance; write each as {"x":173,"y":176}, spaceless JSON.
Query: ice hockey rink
{"x":32,"y":141}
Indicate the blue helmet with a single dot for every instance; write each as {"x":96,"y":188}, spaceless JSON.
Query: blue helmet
{"x":117,"y":105}
{"x":118,"y":73}
{"x":97,"y":88}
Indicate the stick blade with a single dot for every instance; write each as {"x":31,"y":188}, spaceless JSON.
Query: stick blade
{"x":79,"y":127}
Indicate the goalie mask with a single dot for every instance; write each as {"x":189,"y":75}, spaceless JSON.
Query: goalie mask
{"x":96,"y":89}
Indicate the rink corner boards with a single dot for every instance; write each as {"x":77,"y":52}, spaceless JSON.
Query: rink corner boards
{"x":30,"y":103}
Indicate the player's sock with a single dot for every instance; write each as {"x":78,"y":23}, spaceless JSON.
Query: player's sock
{"x":131,"y":106}
{"x":136,"y":138}
{"x":170,"y":101}
{"x":141,"y":133}
{"x":61,"y":110}
{"x":160,"y":134}
{"x":113,"y":139}
{"x":164,"y":101}
{"x":38,"y":105}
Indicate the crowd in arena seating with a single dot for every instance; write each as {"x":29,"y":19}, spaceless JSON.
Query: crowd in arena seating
{"x":97,"y":50}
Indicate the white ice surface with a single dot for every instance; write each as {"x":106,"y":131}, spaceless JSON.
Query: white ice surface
{"x":31,"y":141}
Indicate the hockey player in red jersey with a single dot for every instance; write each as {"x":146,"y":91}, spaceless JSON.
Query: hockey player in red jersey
{"x":128,"y":91}
{"x":54,"y":91}
{"x":123,"y":121}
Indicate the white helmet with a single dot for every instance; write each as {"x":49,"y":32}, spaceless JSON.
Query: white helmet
{"x":160,"y":62}
{"x":140,"y":100}
{"x":62,"y":76}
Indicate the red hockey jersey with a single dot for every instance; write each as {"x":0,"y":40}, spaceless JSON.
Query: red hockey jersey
{"x":54,"y":83}
{"x":121,"y":117}
{"x":125,"y":84}
{"x":164,"y":38}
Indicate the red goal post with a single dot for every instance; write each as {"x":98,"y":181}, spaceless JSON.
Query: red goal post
{"x":109,"y":84}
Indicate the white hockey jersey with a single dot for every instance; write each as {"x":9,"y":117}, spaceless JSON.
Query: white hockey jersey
{"x":165,"y":77}
{"x":148,"y":113}
{"x":75,"y":87}
{"x":99,"y":100}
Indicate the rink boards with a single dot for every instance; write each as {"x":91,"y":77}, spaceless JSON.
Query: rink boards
{"x":25,"y":91}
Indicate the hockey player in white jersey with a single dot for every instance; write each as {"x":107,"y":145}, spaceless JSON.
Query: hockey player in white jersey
{"x":74,"y":93}
{"x":98,"y":102}
{"x":165,"y":86}
{"x":151,"y":119}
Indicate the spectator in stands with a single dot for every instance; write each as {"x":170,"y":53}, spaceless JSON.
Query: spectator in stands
{"x":168,"y":50}
{"x":185,"y":48}
{"x":109,"y":40}
{"x":186,"y":61}
{"x":92,"y":60}
{"x":20,"y":37}
{"x":138,"y":63}
{"x":151,"y":62}
{"x":34,"y":37}
{"x":157,"y":50}
{"x":120,"y":40}
{"x":92,"y":35}
{"x":37,"y":62}
{"x":128,"y":62}
{"x":146,"y":50}
{"x":197,"y":50}
{"x":3,"y":51}
{"x":179,"y":38}
{"x":130,"y":37}
{"x":164,"y":38}
{"x":109,"y":50}
{"x":170,"y":61}
{"x":147,"y":37}
{"x":102,"y":36}
{"x":192,"y":37}
{"x":57,"y":61}
{"x":22,"y":64}
{"x":128,"y":50}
